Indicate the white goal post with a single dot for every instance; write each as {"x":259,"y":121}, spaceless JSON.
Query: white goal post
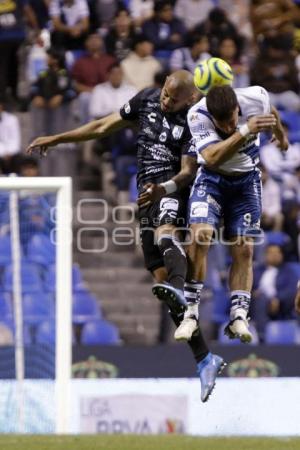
{"x":62,"y":186}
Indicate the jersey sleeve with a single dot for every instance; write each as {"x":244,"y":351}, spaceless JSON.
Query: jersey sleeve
{"x":131,"y":109}
{"x":259,"y":101}
{"x":189,"y":148}
{"x":202,"y":129}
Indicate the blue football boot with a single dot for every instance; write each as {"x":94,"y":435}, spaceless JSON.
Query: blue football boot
{"x":208,"y":370}
{"x":173,"y":297}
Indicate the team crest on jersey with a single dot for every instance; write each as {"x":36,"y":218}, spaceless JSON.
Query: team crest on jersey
{"x":163,"y":136}
{"x":194,"y":117}
{"x":127,"y":108}
{"x":177,"y":132}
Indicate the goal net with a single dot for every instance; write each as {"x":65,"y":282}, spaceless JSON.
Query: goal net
{"x":35,"y":304}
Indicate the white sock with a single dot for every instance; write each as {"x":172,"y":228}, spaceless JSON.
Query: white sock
{"x":240,"y":302}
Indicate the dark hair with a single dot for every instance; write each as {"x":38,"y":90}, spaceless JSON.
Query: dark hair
{"x":57,"y":54}
{"x":161,"y":4}
{"x":138,"y":39}
{"x":113,"y":65}
{"x":217,"y":15}
{"x":221,"y":101}
{"x":26,"y":161}
{"x":193,"y":38}
{"x":160,"y":77}
{"x":122,"y":8}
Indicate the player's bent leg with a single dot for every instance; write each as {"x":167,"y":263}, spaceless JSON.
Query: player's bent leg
{"x":199,"y":242}
{"x":173,"y":297}
{"x":208,"y":365}
{"x":240,"y":282}
{"x":190,"y":322}
{"x":175,"y":263}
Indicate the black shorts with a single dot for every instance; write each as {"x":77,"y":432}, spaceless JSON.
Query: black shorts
{"x":171,"y":209}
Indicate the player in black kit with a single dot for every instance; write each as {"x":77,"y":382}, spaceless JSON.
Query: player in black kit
{"x":163,"y":146}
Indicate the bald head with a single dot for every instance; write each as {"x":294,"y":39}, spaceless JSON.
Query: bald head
{"x":178,"y":92}
{"x":182,"y":79}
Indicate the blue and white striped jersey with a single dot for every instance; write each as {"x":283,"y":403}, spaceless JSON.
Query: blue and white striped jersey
{"x":252,"y":101}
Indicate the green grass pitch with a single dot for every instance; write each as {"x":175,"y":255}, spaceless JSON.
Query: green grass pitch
{"x":132,"y":442}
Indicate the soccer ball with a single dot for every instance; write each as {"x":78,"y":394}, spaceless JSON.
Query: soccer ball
{"x":212,"y":72}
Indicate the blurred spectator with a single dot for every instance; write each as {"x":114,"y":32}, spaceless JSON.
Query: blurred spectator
{"x":239,"y":15}
{"x":119,"y":39}
{"x":272,"y":218}
{"x":140,"y":11}
{"x":276,"y":71}
{"x":160,"y":78}
{"x":217,"y":27}
{"x":280,"y":164}
{"x":188,"y":57}
{"x":192,"y":12}
{"x":51,"y":95}
{"x":164,"y":30}
{"x":273,"y":289}
{"x":140,"y":66}
{"x":12,"y":35}
{"x":108,"y":97}
{"x":70,"y":23}
{"x":272,"y":22}
{"x":41,"y":9}
{"x":105,"y":11}
{"x":10,"y":139}
{"x":291,"y":185}
{"x":90,"y":70}
{"x":291,"y":225}
{"x":228,"y":50}
{"x":37,"y":56}
{"x":27,"y":166}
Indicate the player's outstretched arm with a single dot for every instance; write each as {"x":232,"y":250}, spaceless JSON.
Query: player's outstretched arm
{"x":96,"y":129}
{"x":216,"y":154}
{"x":154,"y":192}
{"x":278,"y":132}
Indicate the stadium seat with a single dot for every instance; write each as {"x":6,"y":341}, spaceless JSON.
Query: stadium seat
{"x":45,"y":333}
{"x":9,"y":323}
{"x":221,"y":305}
{"x":37,"y":307}
{"x":292,"y":119}
{"x":5,"y":250}
{"x":223,"y":339}
{"x":282,"y":332}
{"x":276,"y":238}
{"x":100,"y":332}
{"x":30,"y":277}
{"x":77,"y":282}
{"x":50,"y":279}
{"x":41,"y":250}
{"x":5,"y":306}
{"x":85,"y":307}
{"x":35,"y":217}
{"x":133,"y":193}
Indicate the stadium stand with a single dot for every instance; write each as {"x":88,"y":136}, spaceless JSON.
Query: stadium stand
{"x":129,"y":305}
{"x":282,"y":332}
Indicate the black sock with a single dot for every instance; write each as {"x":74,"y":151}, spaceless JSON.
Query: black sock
{"x":174,"y":260}
{"x":197,"y":343}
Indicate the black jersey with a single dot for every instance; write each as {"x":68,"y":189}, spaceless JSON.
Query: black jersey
{"x":162,"y":137}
